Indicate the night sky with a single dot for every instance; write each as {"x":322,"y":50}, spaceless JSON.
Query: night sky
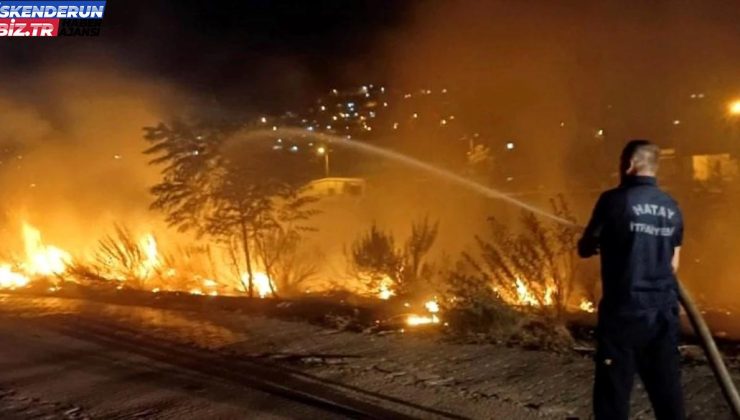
{"x":256,"y":53}
{"x":511,"y":64}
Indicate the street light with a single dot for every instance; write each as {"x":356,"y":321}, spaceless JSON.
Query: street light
{"x":734,"y":107}
{"x":322,"y":151}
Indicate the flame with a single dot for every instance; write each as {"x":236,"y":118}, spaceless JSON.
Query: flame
{"x":526,"y":297}
{"x":9,"y":279}
{"x":587,"y":306}
{"x":433,"y":307}
{"x":385,"y":291}
{"x":148,"y":246}
{"x":414,"y":320}
{"x":43,"y":260}
{"x":261,"y":282}
{"x":547,"y":301}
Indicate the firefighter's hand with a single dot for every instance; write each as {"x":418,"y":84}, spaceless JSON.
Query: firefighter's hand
{"x":588,"y":247}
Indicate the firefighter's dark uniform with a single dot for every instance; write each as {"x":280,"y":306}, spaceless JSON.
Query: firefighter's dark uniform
{"x":635,"y":228}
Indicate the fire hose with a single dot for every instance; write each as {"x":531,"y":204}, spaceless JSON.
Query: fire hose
{"x":712,"y":352}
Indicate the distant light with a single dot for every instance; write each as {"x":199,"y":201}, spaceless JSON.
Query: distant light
{"x":510,"y":146}
{"x":279,"y":140}
{"x":443,"y":122}
{"x":117,"y":157}
{"x":562,"y":123}
{"x":274,"y":128}
{"x":323,"y":108}
{"x":385,"y":104}
{"x":294,"y":148}
{"x":309,"y":128}
{"x":334,"y":91}
{"x":444,"y":90}
{"x":350,"y":104}
{"x":415,"y":115}
{"x":509,"y":179}
{"x":395,"y":126}
{"x":321,"y":150}
{"x":700,"y":95}
{"x":407,"y":96}
{"x":277,"y":147}
{"x":263,"y":120}
{"x":676,"y":122}
{"x":734,"y":107}
{"x":328,"y":127}
{"x":600,"y":132}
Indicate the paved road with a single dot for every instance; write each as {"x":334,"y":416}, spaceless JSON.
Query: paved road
{"x":65,"y":366}
{"x":46,"y":374}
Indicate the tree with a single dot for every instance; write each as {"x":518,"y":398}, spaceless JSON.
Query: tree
{"x":237,"y":192}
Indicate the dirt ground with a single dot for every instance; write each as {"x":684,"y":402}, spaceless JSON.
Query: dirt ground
{"x":75,"y":358}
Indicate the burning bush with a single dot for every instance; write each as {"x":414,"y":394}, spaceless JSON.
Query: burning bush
{"x":517,"y":286}
{"x":389,"y":270}
{"x":533,"y":269}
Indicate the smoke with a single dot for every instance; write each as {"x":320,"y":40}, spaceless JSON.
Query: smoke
{"x":71,"y":151}
{"x":551,"y":75}
{"x":570,"y":84}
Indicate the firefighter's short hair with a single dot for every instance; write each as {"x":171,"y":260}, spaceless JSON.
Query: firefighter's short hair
{"x":643,"y":154}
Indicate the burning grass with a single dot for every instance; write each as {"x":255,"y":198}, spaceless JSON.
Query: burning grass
{"x":124,"y":260}
{"x":492,"y":294}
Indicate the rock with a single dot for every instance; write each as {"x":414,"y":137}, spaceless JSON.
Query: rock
{"x":692,"y":353}
{"x":440,"y":382}
{"x":424,"y":377}
{"x":72,"y":411}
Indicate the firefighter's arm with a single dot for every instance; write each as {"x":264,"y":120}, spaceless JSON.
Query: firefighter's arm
{"x":588,"y":245}
{"x":677,"y":241}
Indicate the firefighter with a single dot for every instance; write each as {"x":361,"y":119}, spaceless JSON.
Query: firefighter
{"x":637,"y":229}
